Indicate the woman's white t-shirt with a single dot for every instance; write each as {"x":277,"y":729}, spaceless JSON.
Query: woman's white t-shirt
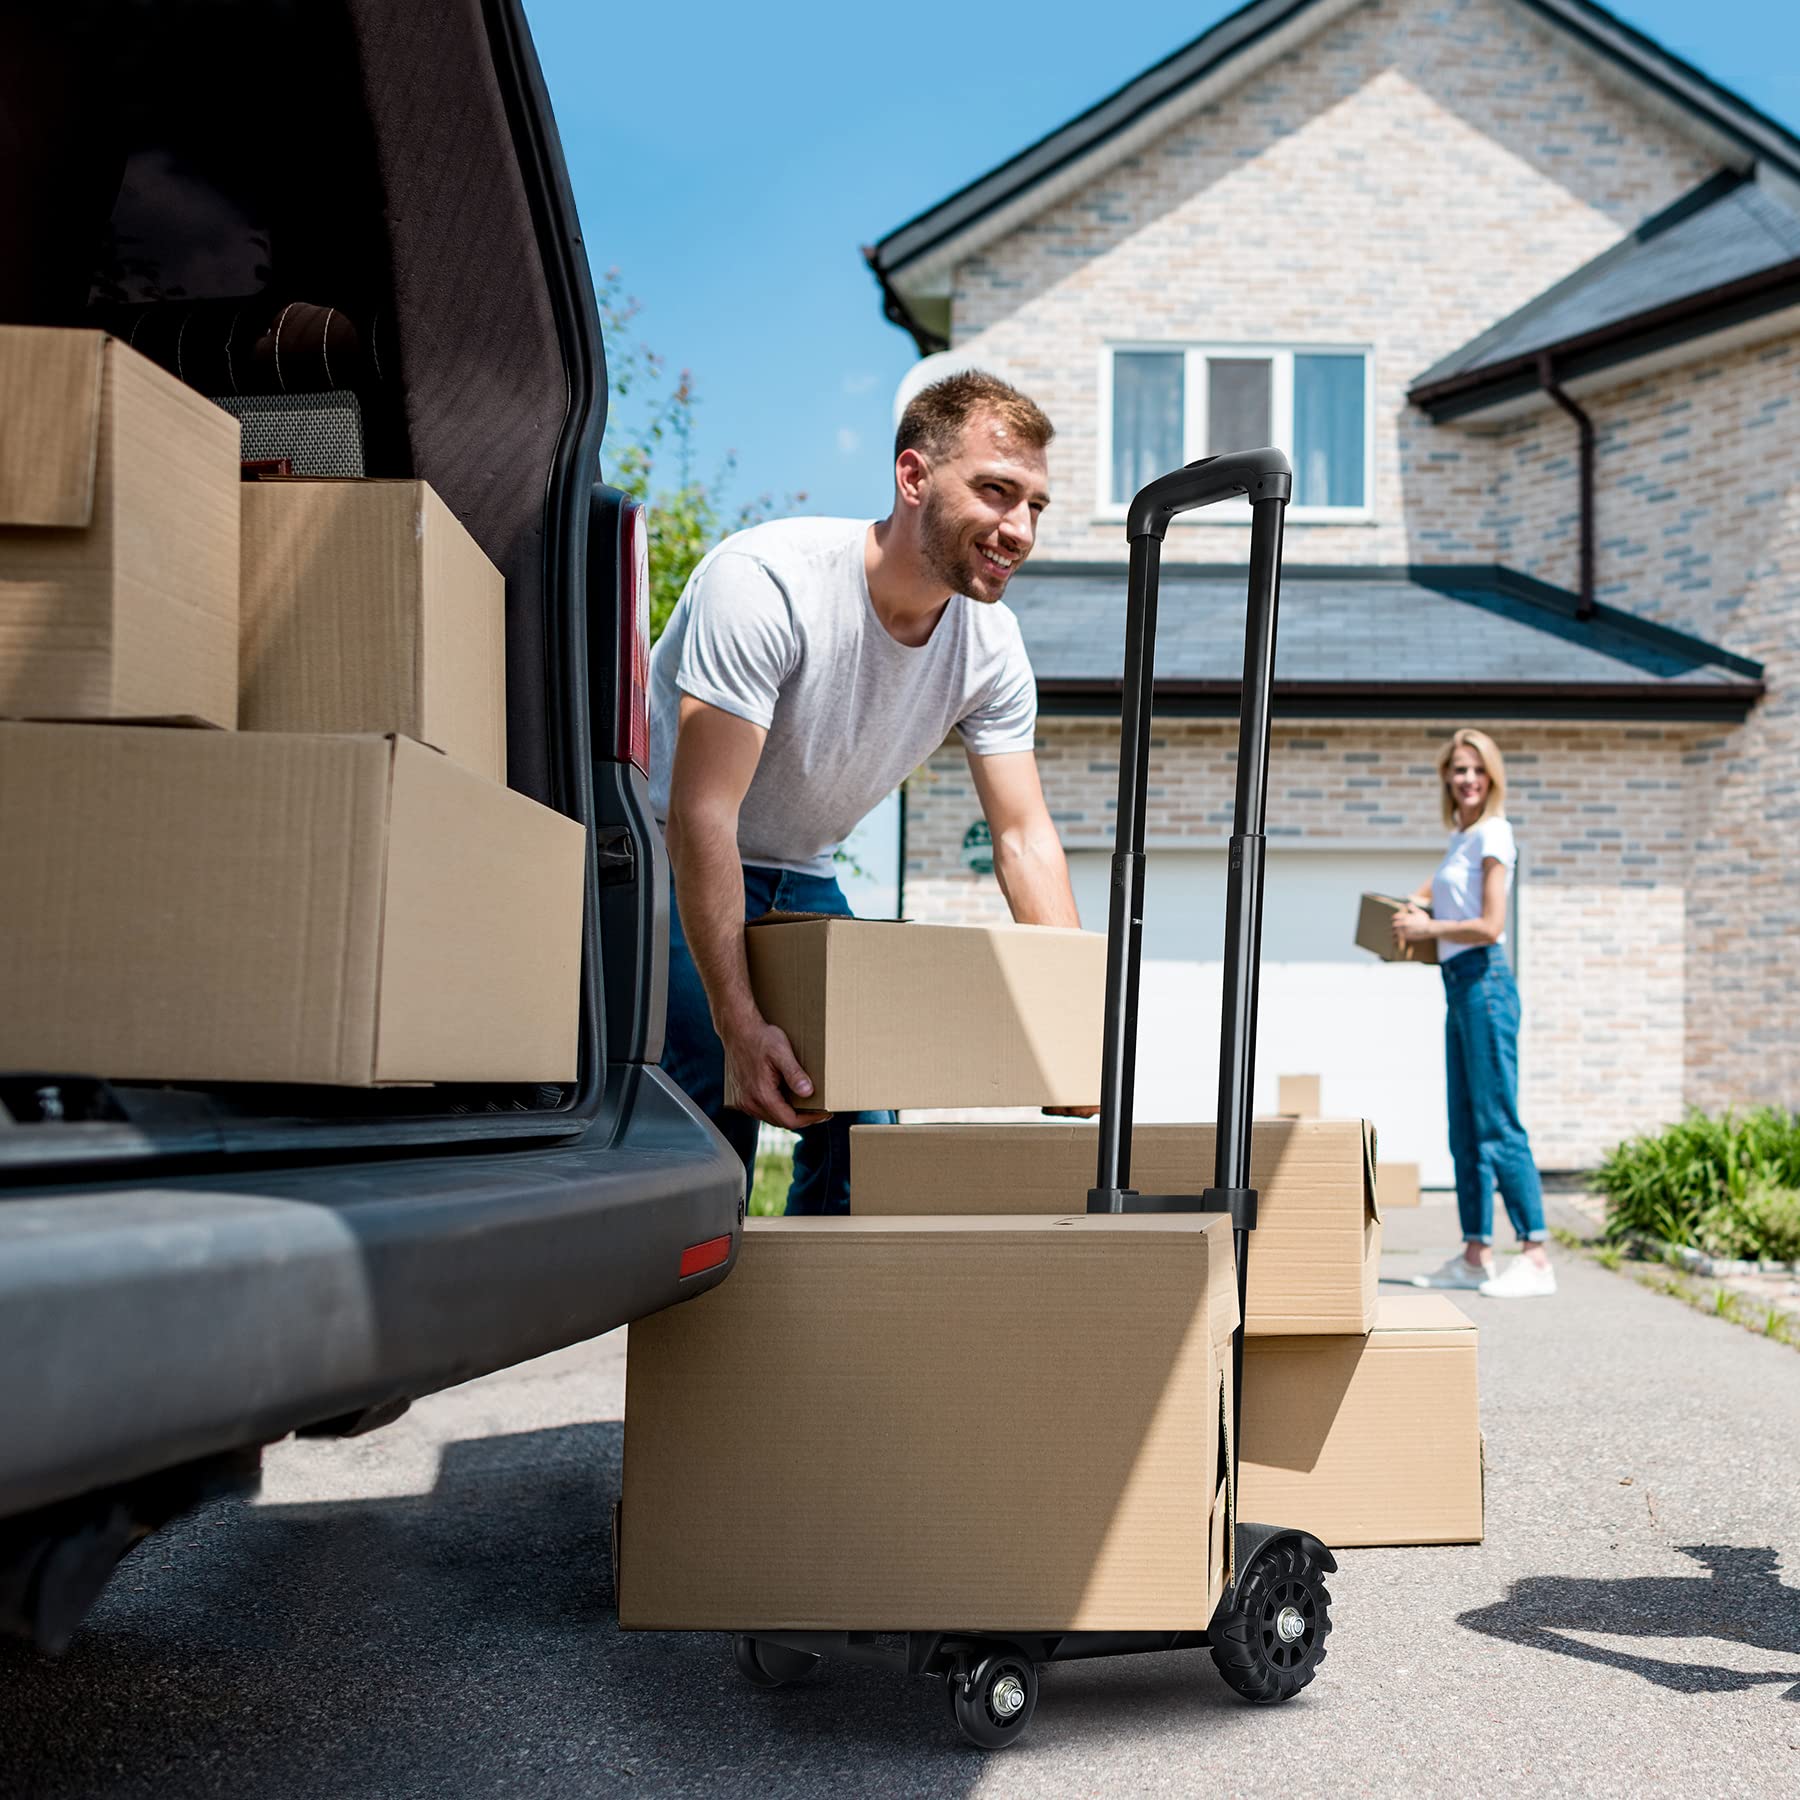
{"x":1456,"y":887}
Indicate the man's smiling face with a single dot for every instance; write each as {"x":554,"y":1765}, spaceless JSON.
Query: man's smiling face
{"x":980,"y":515}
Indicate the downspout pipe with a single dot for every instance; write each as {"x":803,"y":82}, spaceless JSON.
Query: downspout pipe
{"x":1584,"y":427}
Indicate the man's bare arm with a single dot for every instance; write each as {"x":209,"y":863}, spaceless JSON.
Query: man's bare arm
{"x":1028,"y":855}
{"x":716,"y":755}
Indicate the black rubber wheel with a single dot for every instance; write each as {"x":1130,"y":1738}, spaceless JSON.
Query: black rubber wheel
{"x":771,"y":1665}
{"x":1270,"y":1641}
{"x":993,"y":1707}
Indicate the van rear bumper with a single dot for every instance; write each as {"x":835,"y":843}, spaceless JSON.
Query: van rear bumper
{"x":152,"y":1325}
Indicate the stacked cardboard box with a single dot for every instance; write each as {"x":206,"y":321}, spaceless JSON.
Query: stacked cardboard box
{"x":1369,"y":1439}
{"x":342,"y":891}
{"x":988,"y":1424}
{"x":1360,"y":1416}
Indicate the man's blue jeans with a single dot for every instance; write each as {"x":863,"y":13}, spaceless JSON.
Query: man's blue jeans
{"x":1481,"y":1080}
{"x":695,"y":1058}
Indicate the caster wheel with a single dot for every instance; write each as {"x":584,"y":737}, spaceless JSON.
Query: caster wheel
{"x":995,"y":1704}
{"x":771,"y":1665}
{"x":1270,"y":1642}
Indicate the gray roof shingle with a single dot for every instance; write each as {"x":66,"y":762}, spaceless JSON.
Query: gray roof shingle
{"x":1726,"y":231}
{"x":1424,"y":626}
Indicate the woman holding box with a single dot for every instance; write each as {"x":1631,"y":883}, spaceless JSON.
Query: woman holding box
{"x":1467,"y":921}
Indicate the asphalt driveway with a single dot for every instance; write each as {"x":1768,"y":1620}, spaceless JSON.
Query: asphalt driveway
{"x":427,"y":1611}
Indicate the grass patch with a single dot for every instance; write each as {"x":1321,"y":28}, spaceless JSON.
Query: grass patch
{"x":1662,"y":1276}
{"x":769,"y":1192}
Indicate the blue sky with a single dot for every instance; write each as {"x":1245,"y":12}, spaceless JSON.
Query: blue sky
{"x":730,"y":159}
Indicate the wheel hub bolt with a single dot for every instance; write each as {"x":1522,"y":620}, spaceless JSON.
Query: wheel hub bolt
{"x":1289,"y":1625}
{"x":1007,"y":1695}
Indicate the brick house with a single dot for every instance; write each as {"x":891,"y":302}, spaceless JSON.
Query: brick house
{"x":1520,"y":293}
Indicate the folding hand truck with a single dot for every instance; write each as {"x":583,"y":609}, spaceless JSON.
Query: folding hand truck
{"x":1268,"y":1634}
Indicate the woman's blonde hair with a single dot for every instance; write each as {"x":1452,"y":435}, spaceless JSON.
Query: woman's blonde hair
{"x":1491,"y":760}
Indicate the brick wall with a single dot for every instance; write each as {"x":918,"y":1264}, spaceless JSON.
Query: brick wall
{"x":1403,"y":179}
{"x":1601,"y":814}
{"x":1698,"y":525}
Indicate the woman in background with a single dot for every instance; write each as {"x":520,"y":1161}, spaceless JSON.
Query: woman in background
{"x":1467,"y":922}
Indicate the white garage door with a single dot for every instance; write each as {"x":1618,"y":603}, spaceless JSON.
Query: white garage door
{"x":1372,"y":1031}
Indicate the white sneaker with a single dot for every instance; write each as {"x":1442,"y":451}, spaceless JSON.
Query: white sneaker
{"x":1521,"y":1279}
{"x":1458,"y":1272}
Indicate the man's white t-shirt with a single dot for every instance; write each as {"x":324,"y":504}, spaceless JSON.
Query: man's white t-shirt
{"x":776,"y":626}
{"x":1456,"y":889}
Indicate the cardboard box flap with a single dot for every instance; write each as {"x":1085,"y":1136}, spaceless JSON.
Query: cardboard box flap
{"x":50,"y":402}
{"x":1371,"y":1193}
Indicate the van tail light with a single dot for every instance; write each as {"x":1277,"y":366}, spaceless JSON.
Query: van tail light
{"x":631,"y":741}
{"x":696,"y":1259}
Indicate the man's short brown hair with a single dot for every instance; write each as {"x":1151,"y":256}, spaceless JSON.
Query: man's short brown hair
{"x":936,"y":416}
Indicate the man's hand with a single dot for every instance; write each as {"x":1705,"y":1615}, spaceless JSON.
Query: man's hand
{"x":762,"y":1071}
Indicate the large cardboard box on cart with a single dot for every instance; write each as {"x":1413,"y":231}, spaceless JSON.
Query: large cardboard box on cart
{"x":984,"y":1424}
{"x":1316,"y":1254}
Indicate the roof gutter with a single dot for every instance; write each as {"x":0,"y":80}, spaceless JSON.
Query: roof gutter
{"x":1670,"y":703}
{"x":1584,"y":428}
{"x":895,"y":310}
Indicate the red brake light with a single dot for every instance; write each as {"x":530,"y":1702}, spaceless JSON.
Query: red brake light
{"x":696,"y":1259}
{"x":632,"y":731}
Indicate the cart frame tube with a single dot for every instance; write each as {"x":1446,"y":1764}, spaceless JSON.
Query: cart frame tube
{"x":1265,"y":480}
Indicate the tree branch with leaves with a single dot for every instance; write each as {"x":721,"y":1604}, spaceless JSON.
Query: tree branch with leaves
{"x":649,"y":454}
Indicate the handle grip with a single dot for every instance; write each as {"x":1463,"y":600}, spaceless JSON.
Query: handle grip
{"x":1255,"y":474}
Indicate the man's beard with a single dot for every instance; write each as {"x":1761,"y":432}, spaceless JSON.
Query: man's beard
{"x":945,"y":556}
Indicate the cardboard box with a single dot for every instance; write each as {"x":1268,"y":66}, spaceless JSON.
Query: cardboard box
{"x":1298,"y":1097}
{"x":999,"y":1424}
{"x":212,"y":906}
{"x":1375,"y":931}
{"x":1372,"y":1440}
{"x":1316,"y":1256}
{"x":118,"y":536}
{"x":368,"y":607}
{"x":887,"y":1014}
{"x":1397,"y":1184}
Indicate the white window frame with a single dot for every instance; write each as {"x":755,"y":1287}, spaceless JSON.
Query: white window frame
{"x":1193,"y":424}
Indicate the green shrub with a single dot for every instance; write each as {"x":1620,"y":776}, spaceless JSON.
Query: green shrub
{"x":1765,"y":1222}
{"x":1733,"y":1176}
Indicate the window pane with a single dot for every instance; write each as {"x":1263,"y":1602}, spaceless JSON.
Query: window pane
{"x":1328,"y":431}
{"x":1146,"y":425}
{"x":1237,"y":404}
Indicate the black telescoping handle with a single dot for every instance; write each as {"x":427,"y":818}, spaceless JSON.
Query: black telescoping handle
{"x":1264,"y":478}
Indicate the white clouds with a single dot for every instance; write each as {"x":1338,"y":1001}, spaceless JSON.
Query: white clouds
{"x":848,"y":441}
{"x":860,"y":384}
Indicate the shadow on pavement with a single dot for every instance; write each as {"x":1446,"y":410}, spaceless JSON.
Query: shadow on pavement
{"x":1742,"y":1601}
{"x":457,"y":1642}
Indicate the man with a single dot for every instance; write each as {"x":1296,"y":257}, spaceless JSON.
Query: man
{"x":809,"y":667}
